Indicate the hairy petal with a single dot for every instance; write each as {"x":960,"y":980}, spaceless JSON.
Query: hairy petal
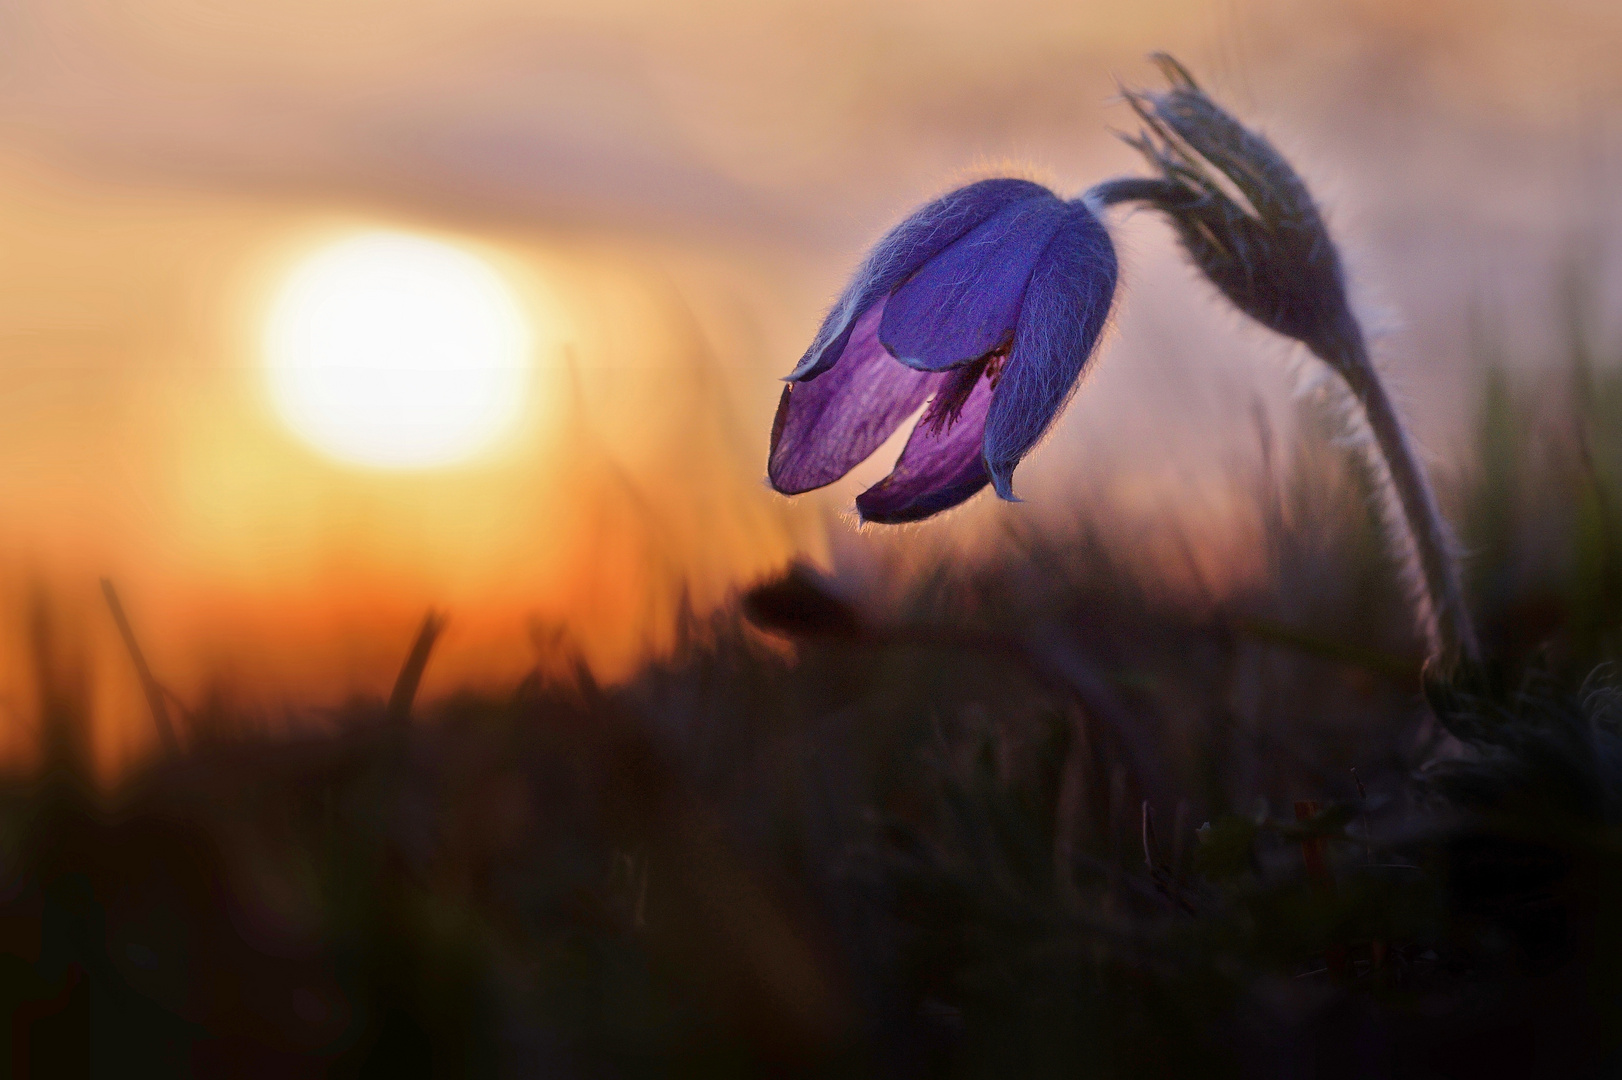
{"x":1065,"y":309}
{"x":1272,"y":258}
{"x":963,"y":304}
{"x":927,"y":232}
{"x":1246,"y":157}
{"x":940,"y":467}
{"x":825,"y":428}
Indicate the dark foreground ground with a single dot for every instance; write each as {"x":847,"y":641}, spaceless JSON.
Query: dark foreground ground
{"x":1046,"y":818}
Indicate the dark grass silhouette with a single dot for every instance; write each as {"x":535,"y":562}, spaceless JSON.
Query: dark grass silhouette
{"x":1038,"y":816}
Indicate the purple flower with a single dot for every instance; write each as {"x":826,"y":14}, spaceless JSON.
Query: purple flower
{"x":985,"y":304}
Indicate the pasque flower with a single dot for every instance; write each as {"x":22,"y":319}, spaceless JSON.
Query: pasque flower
{"x":1270,"y":254}
{"x":985,"y":304}
{"x":1249,"y":223}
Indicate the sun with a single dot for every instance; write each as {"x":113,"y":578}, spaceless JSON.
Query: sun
{"x":398,"y":352}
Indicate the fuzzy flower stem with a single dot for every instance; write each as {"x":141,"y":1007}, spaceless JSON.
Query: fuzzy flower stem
{"x":1249,"y":224}
{"x":1447,"y":619}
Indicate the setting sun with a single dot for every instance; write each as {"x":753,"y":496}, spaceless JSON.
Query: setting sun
{"x":397,"y":352}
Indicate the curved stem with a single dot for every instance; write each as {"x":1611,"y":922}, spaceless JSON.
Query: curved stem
{"x":1452,"y":637}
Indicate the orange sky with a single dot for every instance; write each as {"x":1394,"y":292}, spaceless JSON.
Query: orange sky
{"x":674,"y":191}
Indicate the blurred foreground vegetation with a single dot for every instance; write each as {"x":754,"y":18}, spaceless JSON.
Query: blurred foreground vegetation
{"x":1040,"y":816}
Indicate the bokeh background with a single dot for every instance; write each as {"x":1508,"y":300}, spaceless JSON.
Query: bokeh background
{"x":676,"y":192}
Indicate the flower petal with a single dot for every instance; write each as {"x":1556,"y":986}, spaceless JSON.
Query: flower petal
{"x":963,"y":303}
{"x":940,"y":467}
{"x":1065,"y":309}
{"x":923,"y":235}
{"x":826,"y":427}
